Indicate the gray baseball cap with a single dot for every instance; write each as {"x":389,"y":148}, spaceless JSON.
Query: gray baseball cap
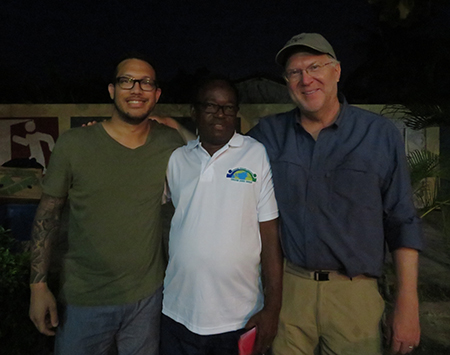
{"x":311,"y":40}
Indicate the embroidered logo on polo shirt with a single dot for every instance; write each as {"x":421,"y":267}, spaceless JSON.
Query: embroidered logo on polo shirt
{"x":241,"y":175}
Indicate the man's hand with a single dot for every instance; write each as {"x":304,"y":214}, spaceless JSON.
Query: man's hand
{"x":266,"y":323}
{"x":166,"y":120}
{"x":266,"y":320}
{"x":90,"y":123}
{"x":43,"y":310}
{"x":403,"y":324}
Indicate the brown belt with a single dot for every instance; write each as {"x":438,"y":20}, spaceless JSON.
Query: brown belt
{"x":321,"y":275}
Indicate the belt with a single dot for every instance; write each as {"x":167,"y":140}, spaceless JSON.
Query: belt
{"x":320,"y":275}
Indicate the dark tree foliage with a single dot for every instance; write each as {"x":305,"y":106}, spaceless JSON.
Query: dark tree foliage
{"x":18,"y":336}
{"x":408,"y":59}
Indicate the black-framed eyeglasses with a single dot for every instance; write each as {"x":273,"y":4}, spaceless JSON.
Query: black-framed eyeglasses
{"x":127,"y":83}
{"x":228,"y":110}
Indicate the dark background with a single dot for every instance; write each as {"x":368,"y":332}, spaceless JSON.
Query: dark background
{"x":64,"y":52}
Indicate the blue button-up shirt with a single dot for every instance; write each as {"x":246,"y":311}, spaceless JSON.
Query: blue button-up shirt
{"x":342,"y":197}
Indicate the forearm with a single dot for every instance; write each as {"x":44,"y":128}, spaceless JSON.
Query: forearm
{"x":266,"y":320}
{"x":45,"y":228}
{"x":170,"y":122}
{"x":406,"y":269}
{"x":404,"y":322}
{"x":271,"y":265}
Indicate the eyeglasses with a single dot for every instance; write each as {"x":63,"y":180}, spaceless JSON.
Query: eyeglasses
{"x":313,"y":70}
{"x":228,"y":110}
{"x":127,"y":83}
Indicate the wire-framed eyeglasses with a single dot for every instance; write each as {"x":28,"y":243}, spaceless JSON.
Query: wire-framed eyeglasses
{"x":313,"y":70}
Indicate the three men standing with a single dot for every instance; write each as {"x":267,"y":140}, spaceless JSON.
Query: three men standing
{"x":342,"y":186}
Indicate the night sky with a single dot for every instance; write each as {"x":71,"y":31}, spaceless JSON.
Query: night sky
{"x":49,"y":42}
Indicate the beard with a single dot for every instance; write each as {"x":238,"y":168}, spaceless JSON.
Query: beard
{"x":131,"y":119}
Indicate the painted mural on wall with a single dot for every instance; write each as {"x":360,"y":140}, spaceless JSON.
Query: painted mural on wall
{"x":28,"y":138}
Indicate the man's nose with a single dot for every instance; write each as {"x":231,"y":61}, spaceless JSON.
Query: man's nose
{"x":221,"y":111}
{"x":136,"y":87}
{"x":306,"y":78}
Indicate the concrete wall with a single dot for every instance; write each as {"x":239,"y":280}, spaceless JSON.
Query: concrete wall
{"x":51,"y":120}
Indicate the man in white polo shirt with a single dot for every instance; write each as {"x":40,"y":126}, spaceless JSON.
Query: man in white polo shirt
{"x":224,"y":235}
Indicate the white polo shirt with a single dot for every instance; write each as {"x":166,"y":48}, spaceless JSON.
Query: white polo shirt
{"x":212,"y":282}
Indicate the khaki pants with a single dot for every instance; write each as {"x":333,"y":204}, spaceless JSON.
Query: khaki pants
{"x":340,"y":316}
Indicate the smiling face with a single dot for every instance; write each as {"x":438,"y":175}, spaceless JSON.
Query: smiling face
{"x":318,"y":93}
{"x":215,"y":129}
{"x":133,"y":106}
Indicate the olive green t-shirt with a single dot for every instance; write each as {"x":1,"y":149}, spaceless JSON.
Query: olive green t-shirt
{"x":115,"y":253}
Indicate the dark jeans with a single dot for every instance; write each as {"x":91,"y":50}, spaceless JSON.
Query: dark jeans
{"x":176,"y":339}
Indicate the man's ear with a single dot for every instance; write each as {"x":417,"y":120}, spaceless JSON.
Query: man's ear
{"x":111,"y":90}
{"x":337,"y":69}
{"x":193,"y":113}
{"x":158,"y":94}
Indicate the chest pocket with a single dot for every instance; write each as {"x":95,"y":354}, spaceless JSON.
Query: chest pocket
{"x":355,"y":182}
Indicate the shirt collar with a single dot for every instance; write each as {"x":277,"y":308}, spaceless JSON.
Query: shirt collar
{"x":344,"y":105}
{"x":236,"y":141}
{"x":194,"y":143}
{"x":343,"y":102}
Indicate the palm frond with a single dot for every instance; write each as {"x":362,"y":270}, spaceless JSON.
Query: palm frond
{"x":419,"y":116}
{"x":424,"y":169}
{"x":423,"y":164}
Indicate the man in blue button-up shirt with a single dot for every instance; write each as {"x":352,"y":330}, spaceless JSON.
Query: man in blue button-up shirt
{"x":343,"y":191}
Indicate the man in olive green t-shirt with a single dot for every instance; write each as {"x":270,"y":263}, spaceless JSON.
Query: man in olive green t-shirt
{"x":112,"y":175}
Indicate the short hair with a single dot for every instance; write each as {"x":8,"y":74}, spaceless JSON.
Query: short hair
{"x":133,"y":55}
{"x":203,"y":82}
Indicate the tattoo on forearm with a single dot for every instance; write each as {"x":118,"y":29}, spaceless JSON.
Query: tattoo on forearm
{"x":45,"y":229}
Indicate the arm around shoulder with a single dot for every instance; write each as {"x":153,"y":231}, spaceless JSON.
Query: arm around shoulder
{"x":170,"y":122}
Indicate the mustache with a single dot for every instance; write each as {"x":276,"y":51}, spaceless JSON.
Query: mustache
{"x":140,"y":97}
